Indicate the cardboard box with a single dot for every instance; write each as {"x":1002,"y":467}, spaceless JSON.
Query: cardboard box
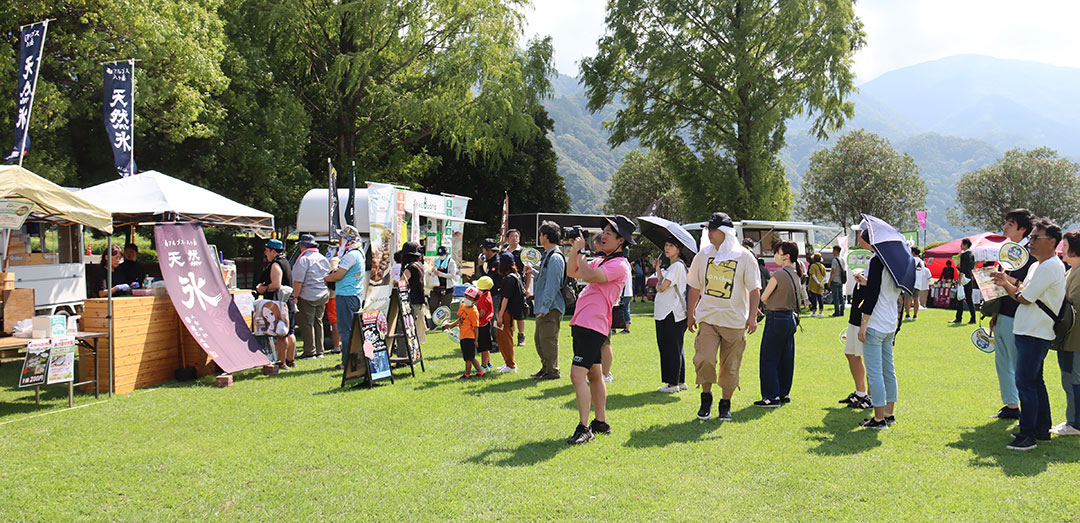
{"x":53,"y":326}
{"x":7,"y":281}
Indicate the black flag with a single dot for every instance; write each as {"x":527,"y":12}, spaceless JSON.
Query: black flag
{"x":120,"y":113}
{"x":350,"y":205}
{"x":31,"y":45}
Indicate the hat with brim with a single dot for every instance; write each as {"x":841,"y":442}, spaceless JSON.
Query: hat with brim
{"x":489,"y":244}
{"x":274,"y":243}
{"x":411,"y":250}
{"x":307,"y":240}
{"x":623,"y":227}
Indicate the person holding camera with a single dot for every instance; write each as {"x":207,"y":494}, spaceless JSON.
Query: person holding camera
{"x":591,"y":324}
{"x":725,"y":290}
{"x":549,"y":303}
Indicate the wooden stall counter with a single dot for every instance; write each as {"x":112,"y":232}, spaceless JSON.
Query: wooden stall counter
{"x":149,"y":339}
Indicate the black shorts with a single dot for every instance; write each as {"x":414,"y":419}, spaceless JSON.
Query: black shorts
{"x":468,"y":349}
{"x":483,"y":338}
{"x":587,"y":343}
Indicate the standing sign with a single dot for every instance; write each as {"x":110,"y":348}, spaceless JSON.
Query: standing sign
{"x":120,"y":114}
{"x":31,"y":47}
{"x":368,"y":356}
{"x":61,"y":360}
{"x":406,"y":346}
{"x":36,"y":363}
{"x":201,"y":299}
{"x":13,"y":214}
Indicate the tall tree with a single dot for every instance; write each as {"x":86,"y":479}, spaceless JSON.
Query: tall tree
{"x":378,"y":76}
{"x":1036,"y":179}
{"x":862,"y":173}
{"x":643,"y":184}
{"x":712,"y":82}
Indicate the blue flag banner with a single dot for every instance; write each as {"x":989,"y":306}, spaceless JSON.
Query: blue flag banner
{"x":120,"y":114}
{"x":31,"y":45}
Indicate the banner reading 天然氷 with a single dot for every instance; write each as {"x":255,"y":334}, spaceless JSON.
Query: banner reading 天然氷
{"x":31,"y":45}
{"x":120,"y":114}
{"x":201,"y":299}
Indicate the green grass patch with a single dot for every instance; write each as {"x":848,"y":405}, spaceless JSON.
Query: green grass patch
{"x":299,"y":447}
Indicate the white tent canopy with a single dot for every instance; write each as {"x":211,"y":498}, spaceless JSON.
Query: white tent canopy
{"x":154,"y":197}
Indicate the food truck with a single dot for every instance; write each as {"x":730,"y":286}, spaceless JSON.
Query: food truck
{"x":48,"y":258}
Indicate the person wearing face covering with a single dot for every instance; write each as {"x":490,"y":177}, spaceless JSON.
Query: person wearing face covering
{"x":445,"y":269}
{"x":725,"y":290}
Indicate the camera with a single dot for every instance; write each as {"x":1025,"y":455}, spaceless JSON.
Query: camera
{"x":571,"y":233}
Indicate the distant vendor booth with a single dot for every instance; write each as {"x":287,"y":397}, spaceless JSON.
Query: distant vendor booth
{"x":195,"y":321}
{"x":43,"y":274}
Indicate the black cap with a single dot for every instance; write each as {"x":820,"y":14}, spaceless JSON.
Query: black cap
{"x":443,"y":251}
{"x":624,"y":227}
{"x":490,"y":244}
{"x":720,"y":219}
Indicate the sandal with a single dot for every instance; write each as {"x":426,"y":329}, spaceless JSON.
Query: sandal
{"x":339,"y":367}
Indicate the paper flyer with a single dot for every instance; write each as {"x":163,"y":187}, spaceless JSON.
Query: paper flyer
{"x":984,"y":278}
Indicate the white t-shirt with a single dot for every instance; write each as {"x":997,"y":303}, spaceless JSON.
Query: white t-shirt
{"x":671,"y":300}
{"x":628,"y":289}
{"x":885,"y":315}
{"x":1045,"y":282}
{"x":725,"y":287}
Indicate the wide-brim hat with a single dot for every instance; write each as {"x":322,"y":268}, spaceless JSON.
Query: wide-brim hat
{"x":410,"y":250}
{"x":307,"y":240}
{"x":274,"y":243}
{"x":624,"y":227}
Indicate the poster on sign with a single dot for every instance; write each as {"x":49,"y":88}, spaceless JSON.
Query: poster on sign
{"x":202,"y":300}
{"x":36,"y":363}
{"x":367,"y":356}
{"x":61,"y":360}
{"x":409,"y":322}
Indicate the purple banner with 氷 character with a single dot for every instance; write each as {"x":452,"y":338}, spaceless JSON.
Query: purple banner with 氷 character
{"x":201,"y":299}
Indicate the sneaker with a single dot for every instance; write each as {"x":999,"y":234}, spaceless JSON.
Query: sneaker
{"x":335,"y":350}
{"x":1066,"y":430}
{"x":306,"y":356}
{"x":850,"y":399}
{"x":863,"y":403}
{"x":706,"y":406}
{"x":1007,"y":412}
{"x":464,"y":377}
{"x":600,"y":427}
{"x":785,"y":399}
{"x":548,"y":377}
{"x":480,"y":373}
{"x":537,"y":374}
{"x":319,"y":355}
{"x":609,"y":378}
{"x":1040,"y":437}
{"x":504,"y":369}
{"x":1022,"y":443}
{"x":624,"y":331}
{"x":290,"y":363}
{"x":871,"y":423}
{"x":723,"y":410}
{"x":769,"y":403}
{"x":890,"y":420}
{"x":582,"y":434}
{"x":668,"y":389}
{"x":682,"y":386}
{"x":521,"y":339}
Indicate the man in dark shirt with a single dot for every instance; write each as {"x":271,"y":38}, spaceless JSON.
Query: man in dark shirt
{"x":1017,"y":228}
{"x":967,"y":263}
{"x":130,"y":270}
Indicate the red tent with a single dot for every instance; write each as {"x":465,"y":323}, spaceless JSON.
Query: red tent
{"x":984,"y":240}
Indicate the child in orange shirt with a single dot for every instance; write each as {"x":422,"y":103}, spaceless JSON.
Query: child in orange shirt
{"x":468,"y":319}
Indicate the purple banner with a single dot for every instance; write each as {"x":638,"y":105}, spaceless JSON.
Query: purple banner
{"x":921,"y":216}
{"x":201,"y":299}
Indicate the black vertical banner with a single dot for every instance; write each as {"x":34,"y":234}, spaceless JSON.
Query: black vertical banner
{"x":350,"y":205}
{"x":31,"y":45}
{"x":119,"y":114}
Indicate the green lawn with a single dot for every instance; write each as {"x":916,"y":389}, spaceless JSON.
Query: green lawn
{"x":297,"y":447}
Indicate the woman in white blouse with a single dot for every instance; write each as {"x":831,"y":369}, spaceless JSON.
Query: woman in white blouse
{"x":669,"y":311}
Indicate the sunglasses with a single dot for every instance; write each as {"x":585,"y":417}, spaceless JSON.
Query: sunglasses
{"x":1034,"y":237}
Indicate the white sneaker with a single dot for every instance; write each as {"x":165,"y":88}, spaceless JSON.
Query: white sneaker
{"x":1059,"y":426}
{"x":668,"y":389}
{"x":682,"y":386}
{"x":505,"y":369}
{"x":609,"y":378}
{"x":1067,"y":430}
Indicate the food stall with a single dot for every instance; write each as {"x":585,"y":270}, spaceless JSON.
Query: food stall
{"x":45,"y":265}
{"x":149,"y":343}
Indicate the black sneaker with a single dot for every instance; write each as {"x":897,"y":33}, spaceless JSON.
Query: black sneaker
{"x":521,"y":339}
{"x":582,"y":434}
{"x":723,"y":410}
{"x":706,"y":406}
{"x":547,"y":377}
{"x":850,"y":399}
{"x":537,"y":374}
{"x":1007,"y":412}
{"x":785,"y":399}
{"x":1038,"y":437}
{"x":890,"y":420}
{"x":600,"y":427}
{"x":862,"y":403}
{"x":769,"y":403}
{"x":1022,"y":443}
{"x":876,"y":424}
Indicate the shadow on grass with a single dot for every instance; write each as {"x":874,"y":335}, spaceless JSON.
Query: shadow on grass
{"x":528,"y":454}
{"x":687,"y":431}
{"x":628,"y":401}
{"x":840,"y":434}
{"x":432,"y":380}
{"x":987,"y":444}
{"x":497,"y":385}
{"x":562,"y":391}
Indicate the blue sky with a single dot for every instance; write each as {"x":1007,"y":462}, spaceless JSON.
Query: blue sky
{"x":899,"y":32}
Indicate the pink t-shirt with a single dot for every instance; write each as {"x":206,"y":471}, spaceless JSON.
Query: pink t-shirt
{"x":593,"y":309}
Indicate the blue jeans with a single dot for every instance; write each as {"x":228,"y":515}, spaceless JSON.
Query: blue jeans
{"x":816,"y":303}
{"x":1034,"y":402}
{"x":1070,"y":381}
{"x":626,"y":309}
{"x":347,"y":306}
{"x":880,"y":372}
{"x":777,"y":360}
{"x":1005,"y":359}
{"x":838,"y":298}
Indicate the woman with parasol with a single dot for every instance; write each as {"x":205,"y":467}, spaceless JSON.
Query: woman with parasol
{"x":669,"y":310}
{"x":890,"y":272}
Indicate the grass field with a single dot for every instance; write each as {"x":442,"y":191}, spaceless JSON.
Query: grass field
{"x":298,"y":447}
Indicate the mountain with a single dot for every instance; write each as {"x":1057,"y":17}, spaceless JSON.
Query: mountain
{"x":952,"y":115}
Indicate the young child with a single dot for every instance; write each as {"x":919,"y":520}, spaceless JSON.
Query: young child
{"x":486,"y":310}
{"x":468,"y":320}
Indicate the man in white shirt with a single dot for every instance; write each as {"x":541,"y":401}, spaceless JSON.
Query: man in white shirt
{"x":725,"y":290}
{"x":1040,"y":295}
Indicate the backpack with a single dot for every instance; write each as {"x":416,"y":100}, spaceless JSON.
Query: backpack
{"x":843,"y":272}
{"x":1063,"y":320}
{"x":566,"y":288}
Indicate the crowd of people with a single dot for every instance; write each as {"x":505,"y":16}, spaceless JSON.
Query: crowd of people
{"x":720,"y":297}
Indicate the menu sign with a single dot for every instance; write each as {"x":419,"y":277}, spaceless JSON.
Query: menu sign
{"x":13,"y":214}
{"x":36,"y":363}
{"x":408,"y":321}
{"x":368,"y":356}
{"x":61,"y":360}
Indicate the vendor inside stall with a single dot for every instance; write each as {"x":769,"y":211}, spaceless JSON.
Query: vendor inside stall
{"x":121,"y":279}
{"x":131,"y":268}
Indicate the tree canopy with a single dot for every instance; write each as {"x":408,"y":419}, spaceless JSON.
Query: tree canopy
{"x":1036,"y":179}
{"x":862,"y":173}
{"x":643,"y":185}
{"x":711,"y":82}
